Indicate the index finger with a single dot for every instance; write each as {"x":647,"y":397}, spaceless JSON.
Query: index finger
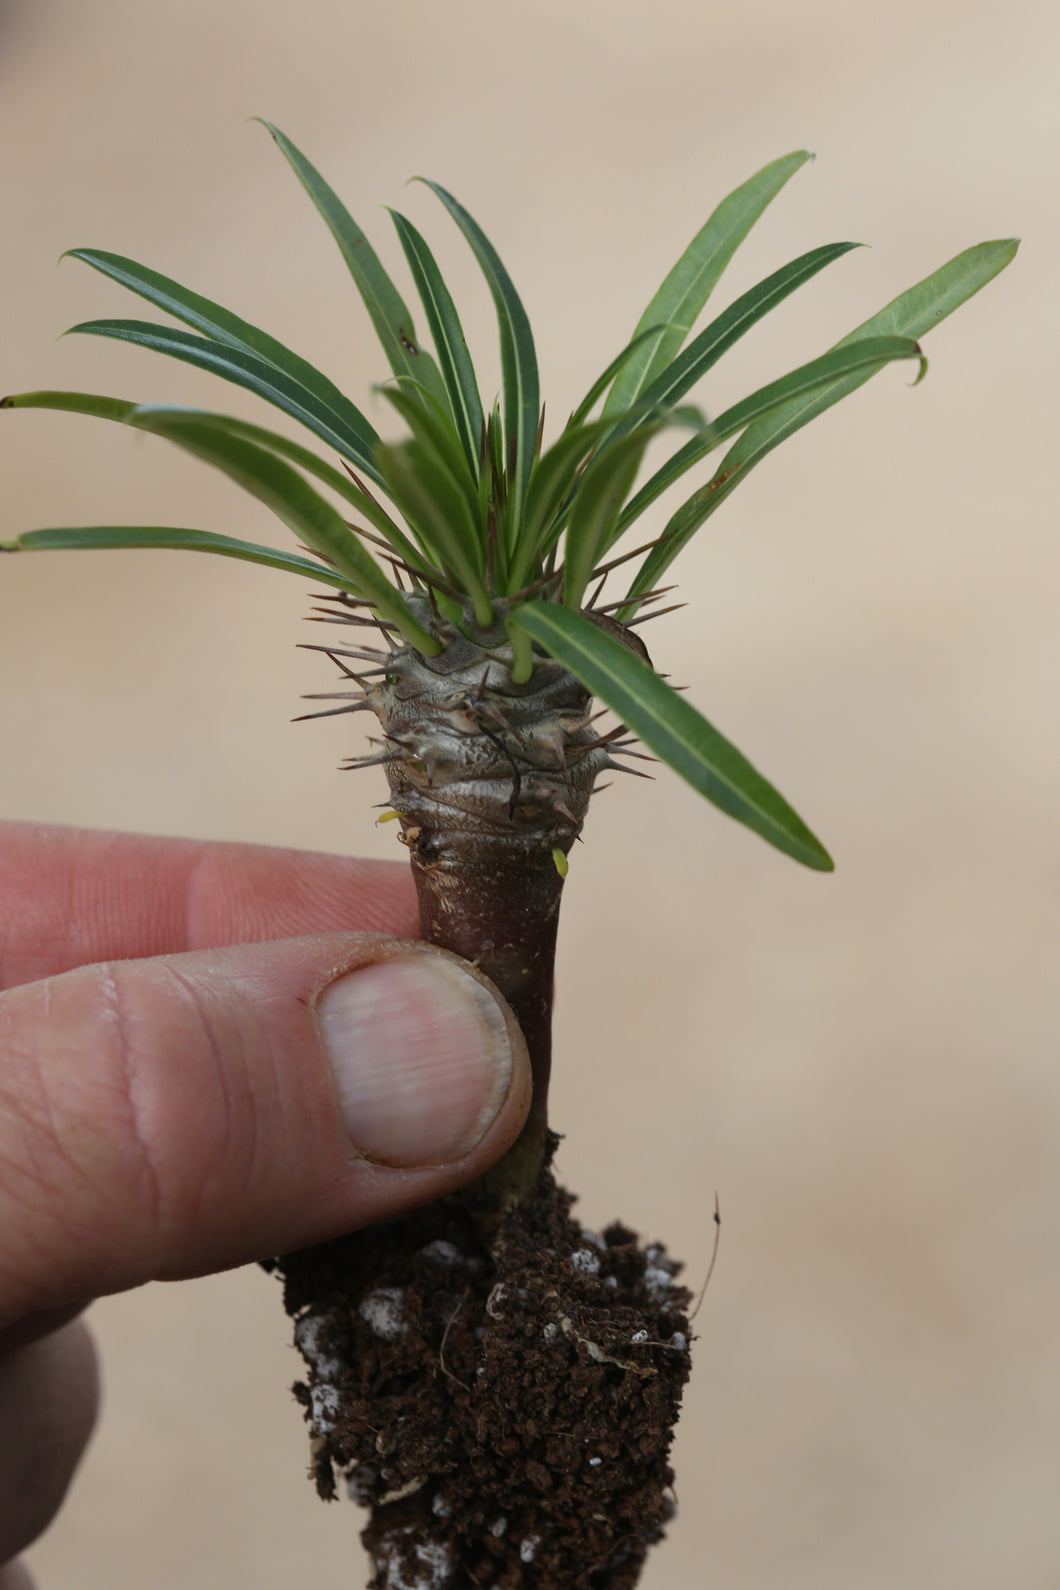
{"x":70,"y":897}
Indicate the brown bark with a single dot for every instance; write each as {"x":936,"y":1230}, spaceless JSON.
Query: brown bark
{"x":499,"y":909}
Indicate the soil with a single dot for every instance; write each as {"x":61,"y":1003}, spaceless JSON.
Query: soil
{"x":504,"y":1409}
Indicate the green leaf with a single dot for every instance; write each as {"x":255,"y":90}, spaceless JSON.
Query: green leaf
{"x":340,"y":425}
{"x":557,"y":475}
{"x":106,"y":408}
{"x":679,"y":300}
{"x":221,"y":325}
{"x":433,"y":429}
{"x":868,"y":353}
{"x":109,"y":408}
{"x":432,"y":503}
{"x":600,"y":385}
{"x":671,"y":727}
{"x":389,"y":313}
{"x":553,"y":477}
{"x":522,"y":402}
{"x":458,"y":373}
{"x":706,"y":349}
{"x":293,"y":500}
{"x":603,"y":489}
{"x":90,"y":538}
{"x":911,"y":314}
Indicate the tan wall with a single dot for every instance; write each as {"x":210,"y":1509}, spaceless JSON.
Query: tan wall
{"x":864,"y":1066}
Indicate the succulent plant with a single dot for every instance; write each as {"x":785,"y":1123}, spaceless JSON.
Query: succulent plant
{"x":468,"y":567}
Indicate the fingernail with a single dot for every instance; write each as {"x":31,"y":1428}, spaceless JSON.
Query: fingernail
{"x":421,"y":1058}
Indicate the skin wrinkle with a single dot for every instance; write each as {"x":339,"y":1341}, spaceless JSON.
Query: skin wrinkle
{"x":61,"y":908}
{"x":200,"y":875}
{"x":37,"y":1124}
{"x":110,"y":981}
{"x":223,"y":1111}
{"x":40,"y":1164}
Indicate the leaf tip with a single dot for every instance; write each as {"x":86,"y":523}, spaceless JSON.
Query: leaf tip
{"x":814,"y":855}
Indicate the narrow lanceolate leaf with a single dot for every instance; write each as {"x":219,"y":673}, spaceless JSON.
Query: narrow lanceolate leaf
{"x":556,"y":480}
{"x":105,"y":408}
{"x":438,"y":511}
{"x":91,"y":538}
{"x":120,"y":409}
{"x":671,"y":727}
{"x":389,"y":313}
{"x":434,"y":431}
{"x":603,"y":381}
{"x":458,"y":373}
{"x":867,"y":354}
{"x":911,"y":314}
{"x":704,"y":351}
{"x":219,"y":325}
{"x":686,"y":289}
{"x":553,"y":478}
{"x":339,"y":423}
{"x":281,"y":488}
{"x":522,"y":402}
{"x":601,"y":493}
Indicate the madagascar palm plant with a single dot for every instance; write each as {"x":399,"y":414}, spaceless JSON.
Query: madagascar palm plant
{"x":475,"y":570}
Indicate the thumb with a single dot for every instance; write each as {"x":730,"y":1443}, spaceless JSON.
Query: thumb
{"x":162,"y":1118}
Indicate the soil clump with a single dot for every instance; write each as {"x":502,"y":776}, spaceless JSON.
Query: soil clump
{"x":505,"y":1408}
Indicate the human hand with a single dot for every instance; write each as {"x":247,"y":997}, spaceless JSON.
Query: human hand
{"x":188,"y":1083}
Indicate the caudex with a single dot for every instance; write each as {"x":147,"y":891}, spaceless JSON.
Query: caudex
{"x":472,"y":571}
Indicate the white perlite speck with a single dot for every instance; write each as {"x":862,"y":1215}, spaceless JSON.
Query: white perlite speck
{"x":307,"y":1333}
{"x":445,"y":1252}
{"x":680,"y":1341}
{"x":494,"y":1301}
{"x":381,"y":1310}
{"x":594,"y":1239}
{"x":639,"y":1336}
{"x":432,"y":1569}
{"x":441,"y":1507}
{"x":657,"y":1281}
{"x":550,"y":1332}
{"x":498,"y":1527}
{"x":594,"y":1463}
{"x":528,"y":1547}
{"x":324,"y":1402}
{"x":583,"y":1261}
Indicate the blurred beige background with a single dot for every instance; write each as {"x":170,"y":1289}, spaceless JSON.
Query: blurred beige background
{"x":863,"y":1066}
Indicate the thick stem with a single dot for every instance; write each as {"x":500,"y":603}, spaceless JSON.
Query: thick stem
{"x":491,"y":778}
{"x":499,"y":909}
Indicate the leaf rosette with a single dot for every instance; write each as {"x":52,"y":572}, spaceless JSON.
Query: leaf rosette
{"x":493,"y":532}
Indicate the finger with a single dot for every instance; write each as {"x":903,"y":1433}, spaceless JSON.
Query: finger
{"x":163,"y":1118}
{"x":15,"y":1576}
{"x":31,"y":1327}
{"x":71,"y":896}
{"x":49,"y":1394}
